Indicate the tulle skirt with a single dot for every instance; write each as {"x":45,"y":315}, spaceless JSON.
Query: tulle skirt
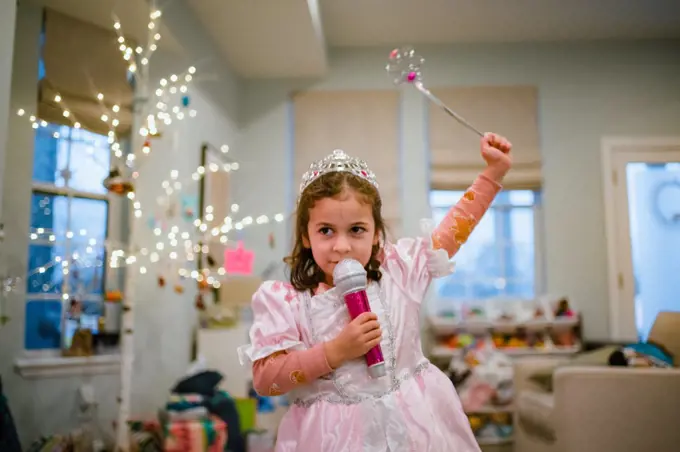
{"x":423,"y":415}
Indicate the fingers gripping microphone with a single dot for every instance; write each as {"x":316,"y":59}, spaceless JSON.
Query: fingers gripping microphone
{"x":350,"y":279}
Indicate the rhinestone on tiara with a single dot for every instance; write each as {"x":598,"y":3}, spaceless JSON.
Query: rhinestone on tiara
{"x":338,"y":160}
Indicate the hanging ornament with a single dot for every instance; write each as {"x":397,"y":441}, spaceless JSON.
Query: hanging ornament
{"x":171,"y":208}
{"x":152,"y":222}
{"x":199,"y":303}
{"x":203,"y":284}
{"x":161,"y":281}
{"x":116,"y":183}
{"x":239,"y":261}
{"x":146,"y":148}
{"x":272,"y":241}
{"x":113,"y":296}
{"x":178,"y":289}
{"x":189,"y":207}
{"x":185,"y":101}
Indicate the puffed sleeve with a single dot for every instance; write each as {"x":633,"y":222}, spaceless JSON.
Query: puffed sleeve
{"x":413,"y":262}
{"x":275,"y":327}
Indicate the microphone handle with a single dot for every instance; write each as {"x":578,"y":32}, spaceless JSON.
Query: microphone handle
{"x":357,"y":304}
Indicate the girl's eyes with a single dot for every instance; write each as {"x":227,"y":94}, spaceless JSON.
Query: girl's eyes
{"x":325,"y":231}
{"x":355,"y":230}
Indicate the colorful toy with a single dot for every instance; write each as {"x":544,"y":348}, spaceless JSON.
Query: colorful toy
{"x":475,"y":422}
{"x":566,"y":338}
{"x":563,"y":309}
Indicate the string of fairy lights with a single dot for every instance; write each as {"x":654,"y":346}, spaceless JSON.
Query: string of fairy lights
{"x":179,"y":244}
{"x":194,"y":237}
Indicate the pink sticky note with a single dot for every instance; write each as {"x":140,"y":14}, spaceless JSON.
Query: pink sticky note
{"x":239,"y":261}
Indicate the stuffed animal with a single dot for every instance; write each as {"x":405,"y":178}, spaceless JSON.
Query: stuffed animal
{"x":563,"y":309}
{"x":641,"y":355}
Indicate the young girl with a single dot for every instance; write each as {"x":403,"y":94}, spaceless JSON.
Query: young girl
{"x":304,"y":344}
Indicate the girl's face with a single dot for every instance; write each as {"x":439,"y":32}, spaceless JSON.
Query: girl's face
{"x":339,"y":228}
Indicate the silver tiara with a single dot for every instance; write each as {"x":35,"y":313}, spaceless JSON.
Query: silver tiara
{"x":337,"y":161}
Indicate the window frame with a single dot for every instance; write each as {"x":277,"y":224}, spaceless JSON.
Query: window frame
{"x":539,"y":245}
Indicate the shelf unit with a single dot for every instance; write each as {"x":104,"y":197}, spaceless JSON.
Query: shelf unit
{"x":442,"y":327}
{"x":494,"y":441}
{"x":447,"y":325}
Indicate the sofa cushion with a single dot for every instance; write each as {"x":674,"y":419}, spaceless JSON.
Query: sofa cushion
{"x":599,"y":357}
{"x":534,"y":410}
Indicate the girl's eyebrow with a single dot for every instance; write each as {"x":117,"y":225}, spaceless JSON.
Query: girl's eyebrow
{"x":323,"y":224}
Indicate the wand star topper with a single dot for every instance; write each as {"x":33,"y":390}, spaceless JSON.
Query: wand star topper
{"x":404,"y":66}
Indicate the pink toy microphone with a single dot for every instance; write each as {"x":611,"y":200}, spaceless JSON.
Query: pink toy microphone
{"x":349,"y":277}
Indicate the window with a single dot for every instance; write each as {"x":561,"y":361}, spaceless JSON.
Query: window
{"x":501,"y":256}
{"x":69,"y":222}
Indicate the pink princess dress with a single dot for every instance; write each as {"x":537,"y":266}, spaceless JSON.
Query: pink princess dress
{"x":413,"y":408}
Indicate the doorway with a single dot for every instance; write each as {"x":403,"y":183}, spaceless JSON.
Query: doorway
{"x":642,"y":207}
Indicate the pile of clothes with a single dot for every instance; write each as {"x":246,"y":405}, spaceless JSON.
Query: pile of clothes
{"x":197,"y":403}
{"x":197,"y":417}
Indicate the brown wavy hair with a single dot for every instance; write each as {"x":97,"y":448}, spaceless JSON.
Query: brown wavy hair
{"x":305,"y":274}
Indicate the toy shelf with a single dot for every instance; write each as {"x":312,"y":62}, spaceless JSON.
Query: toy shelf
{"x":491,"y":409}
{"x":442,"y":351}
{"x":447,"y":325}
{"x":482,"y":340}
{"x":546,"y":326}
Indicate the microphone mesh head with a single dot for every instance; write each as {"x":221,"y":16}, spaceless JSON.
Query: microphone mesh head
{"x":349,"y":276}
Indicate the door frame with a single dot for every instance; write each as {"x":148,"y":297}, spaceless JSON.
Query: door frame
{"x":611,"y":147}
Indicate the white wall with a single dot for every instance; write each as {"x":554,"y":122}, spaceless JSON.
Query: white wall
{"x":164,"y":320}
{"x":586,"y":91}
{"x":7,"y":21}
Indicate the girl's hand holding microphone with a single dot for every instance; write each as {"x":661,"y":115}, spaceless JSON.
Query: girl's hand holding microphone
{"x":355,"y":340}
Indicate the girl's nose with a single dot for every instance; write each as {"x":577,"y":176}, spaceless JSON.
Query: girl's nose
{"x":341,"y":245}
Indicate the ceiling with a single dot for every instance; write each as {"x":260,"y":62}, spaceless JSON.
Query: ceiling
{"x":290,"y":38}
